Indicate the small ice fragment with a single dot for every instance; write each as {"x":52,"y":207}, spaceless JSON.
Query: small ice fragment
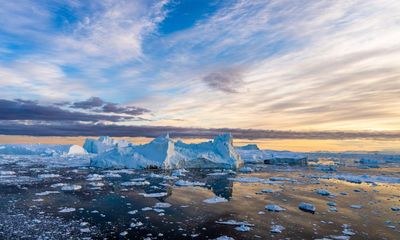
{"x":242,"y":228}
{"x":132,"y":212}
{"x":274,"y":208}
{"x":307,"y":207}
{"x":137,"y":224}
{"x":277,"y":229}
{"x":224,"y":238}
{"x":67,"y":210}
{"x":332,"y":204}
{"x":323,"y":192}
{"x":215,"y":200}
{"x":162,"y":205}
{"x":356,"y":206}
{"x":159,"y":194}
{"x":72,"y":187}
{"x":395,"y":208}
{"x":182,"y":183}
{"x":50,"y":175}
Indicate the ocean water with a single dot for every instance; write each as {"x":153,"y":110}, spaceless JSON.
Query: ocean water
{"x":34,"y":205}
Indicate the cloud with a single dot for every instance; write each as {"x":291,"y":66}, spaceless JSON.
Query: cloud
{"x":99,"y":105}
{"x":30,"y":110}
{"x":78,"y":129}
{"x":228,"y":80}
{"x":90,"y":103}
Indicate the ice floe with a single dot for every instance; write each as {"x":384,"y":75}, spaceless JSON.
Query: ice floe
{"x":215,"y":200}
{"x":307,"y":207}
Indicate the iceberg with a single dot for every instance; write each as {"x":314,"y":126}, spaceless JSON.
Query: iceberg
{"x":164,"y":152}
{"x":103,"y":144}
{"x":47,"y":150}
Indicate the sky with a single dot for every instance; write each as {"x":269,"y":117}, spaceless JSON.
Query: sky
{"x":143,"y":67}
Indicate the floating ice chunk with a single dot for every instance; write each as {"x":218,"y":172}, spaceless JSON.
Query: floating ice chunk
{"x":267,"y":191}
{"x":356,"y":206}
{"x":242,"y":228}
{"x":159,"y":194}
{"x":133,"y":212}
{"x":94,"y":177}
{"x":282,"y":179}
{"x":215,"y":200}
{"x":224,"y":238}
{"x":49,"y":175}
{"x":235,"y":223}
{"x":7,"y":173}
{"x":182,"y":183}
{"x":45,"y":193}
{"x":97,"y":184}
{"x":136,"y":224}
{"x":307,"y":207}
{"x":135,"y":183}
{"x":334,"y":237}
{"x":323,"y":192}
{"x":123,"y":234}
{"x":395,"y":208}
{"x":277,"y":228}
{"x":217,"y":174}
{"x":67,"y":210}
{"x":332,"y":204}
{"x":70,"y":188}
{"x":162,"y":205}
{"x":347,"y":231}
{"x":112,"y":175}
{"x":274,"y":208}
{"x":248,"y":180}
{"x":147,"y":209}
{"x":84,"y":230}
{"x":57,"y":185}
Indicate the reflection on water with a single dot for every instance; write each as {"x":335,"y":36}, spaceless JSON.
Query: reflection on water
{"x":106,"y":207}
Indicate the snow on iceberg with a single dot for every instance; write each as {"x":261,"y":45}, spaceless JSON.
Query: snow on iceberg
{"x":164,"y":152}
{"x":252,"y":154}
{"x":42,"y":149}
{"x":103,"y":144}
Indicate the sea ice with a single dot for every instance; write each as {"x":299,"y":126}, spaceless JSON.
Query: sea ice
{"x":274,"y":208}
{"x":277,"y":229}
{"x":215,"y":200}
{"x":307,"y":207}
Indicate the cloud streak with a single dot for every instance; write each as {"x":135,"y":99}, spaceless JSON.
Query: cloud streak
{"x":155,"y":131}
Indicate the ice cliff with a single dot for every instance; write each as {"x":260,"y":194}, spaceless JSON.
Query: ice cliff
{"x":164,"y":152}
{"x":103,"y":144}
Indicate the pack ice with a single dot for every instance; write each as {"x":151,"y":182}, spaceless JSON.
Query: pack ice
{"x":48,"y":150}
{"x":164,"y":152}
{"x":252,"y":154}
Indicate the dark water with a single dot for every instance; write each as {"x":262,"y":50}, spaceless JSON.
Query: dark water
{"x":104,"y":212}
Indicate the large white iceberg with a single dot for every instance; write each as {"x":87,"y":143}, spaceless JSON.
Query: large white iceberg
{"x":41,"y":149}
{"x":103,"y":144}
{"x":252,"y":154}
{"x":164,"y":152}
